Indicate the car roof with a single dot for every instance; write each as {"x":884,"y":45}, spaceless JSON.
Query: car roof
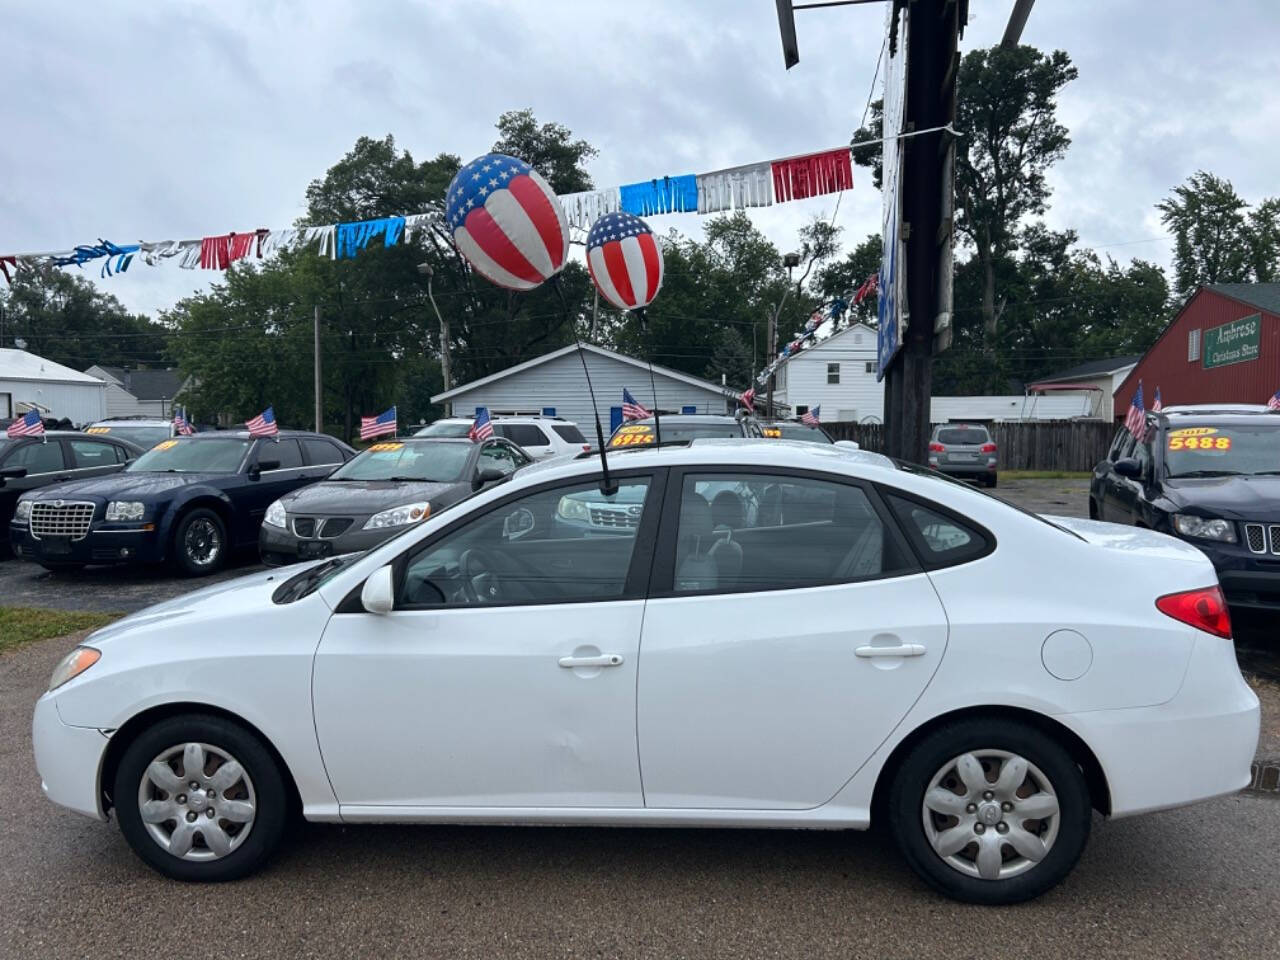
{"x":135,"y":421}
{"x":693,"y":418}
{"x":506,"y":418}
{"x":1201,"y":409}
{"x":244,"y":435}
{"x":72,"y":435}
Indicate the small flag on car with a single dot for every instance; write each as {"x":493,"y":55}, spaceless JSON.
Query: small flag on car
{"x":27,"y":425}
{"x":377,"y":426}
{"x":482,"y":429}
{"x":810,"y":416}
{"x":1274,"y":402}
{"x":1136,"y":419}
{"x":748,"y":398}
{"x":1157,"y":406}
{"x":263,"y":425}
{"x":631,"y":408}
{"x":181,"y":425}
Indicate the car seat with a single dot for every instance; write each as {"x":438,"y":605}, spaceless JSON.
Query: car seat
{"x":695,"y":569}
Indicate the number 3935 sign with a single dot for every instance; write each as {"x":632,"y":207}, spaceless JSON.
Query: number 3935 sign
{"x":1234,"y":342}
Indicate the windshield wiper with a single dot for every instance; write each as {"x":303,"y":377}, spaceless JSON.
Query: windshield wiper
{"x":1265,"y":473}
{"x":307,"y":582}
{"x":1206,"y":473}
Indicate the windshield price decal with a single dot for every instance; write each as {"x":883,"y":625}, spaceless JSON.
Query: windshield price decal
{"x":385,"y":446}
{"x":98,"y":430}
{"x":772,"y":432}
{"x":1200,"y":442}
{"x":165,"y":444}
{"x":1193,"y":432}
{"x":631,"y":439}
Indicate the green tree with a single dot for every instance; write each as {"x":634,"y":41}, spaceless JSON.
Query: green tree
{"x":549,"y":148}
{"x":846,"y":275}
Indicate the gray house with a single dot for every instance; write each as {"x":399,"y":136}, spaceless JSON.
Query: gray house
{"x":139,"y":393}
{"x":554,"y":385}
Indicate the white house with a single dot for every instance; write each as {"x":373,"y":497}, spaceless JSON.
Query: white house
{"x":28,"y":381}
{"x":554,"y":385}
{"x":139,"y":393}
{"x":838,"y":374}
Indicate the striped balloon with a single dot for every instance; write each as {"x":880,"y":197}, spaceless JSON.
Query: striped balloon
{"x":625,"y":260}
{"x":507,"y":222}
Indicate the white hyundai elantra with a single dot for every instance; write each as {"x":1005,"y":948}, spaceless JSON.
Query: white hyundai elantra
{"x":739,"y":635}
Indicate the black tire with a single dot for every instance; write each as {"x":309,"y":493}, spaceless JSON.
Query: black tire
{"x":1093,"y":509}
{"x":906,"y":809}
{"x":187,"y":549}
{"x":990,"y":481}
{"x":271,"y":796}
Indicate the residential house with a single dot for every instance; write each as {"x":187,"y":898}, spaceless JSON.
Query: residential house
{"x":28,"y":381}
{"x":1096,"y":380}
{"x":139,"y":393}
{"x":838,"y":374}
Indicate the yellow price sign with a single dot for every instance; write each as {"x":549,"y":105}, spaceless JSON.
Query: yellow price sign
{"x":165,"y":444}
{"x":772,"y":432}
{"x":1214,"y":443}
{"x":98,"y":430}
{"x":633,"y":428}
{"x":1193,"y":432}
{"x":379,"y":447}
{"x":631,"y":439}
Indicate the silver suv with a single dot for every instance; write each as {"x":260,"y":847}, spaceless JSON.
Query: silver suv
{"x":145,"y":432}
{"x":964,"y":450}
{"x":540,"y":437}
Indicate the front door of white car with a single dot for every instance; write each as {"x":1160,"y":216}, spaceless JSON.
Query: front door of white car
{"x":506,"y":674}
{"x":788,"y":631}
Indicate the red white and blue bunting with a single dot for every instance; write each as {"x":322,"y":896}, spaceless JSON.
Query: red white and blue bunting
{"x":824,"y":323}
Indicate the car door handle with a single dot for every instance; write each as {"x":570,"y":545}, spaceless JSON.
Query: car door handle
{"x":901,"y":650}
{"x":603,"y":660}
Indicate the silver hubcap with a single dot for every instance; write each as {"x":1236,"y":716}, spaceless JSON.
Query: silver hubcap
{"x":196,"y":801}
{"x":202,"y":541}
{"x":990,"y":814}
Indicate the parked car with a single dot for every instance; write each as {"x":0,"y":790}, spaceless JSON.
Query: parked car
{"x":391,"y":485}
{"x":492,"y":666}
{"x":145,"y":432}
{"x":677,"y":428}
{"x":29,"y":463}
{"x":1211,"y":476}
{"x":188,"y":501}
{"x":964,"y":450}
{"x":794,"y":430}
{"x":539,"y":437}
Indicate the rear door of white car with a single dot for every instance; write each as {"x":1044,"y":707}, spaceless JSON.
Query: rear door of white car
{"x":789,"y":629}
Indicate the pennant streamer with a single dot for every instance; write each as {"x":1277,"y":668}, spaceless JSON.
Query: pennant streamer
{"x":813,"y":175}
{"x":584,"y":209}
{"x":735,"y":189}
{"x":352,"y":237}
{"x":823,"y":323}
{"x":668,"y":195}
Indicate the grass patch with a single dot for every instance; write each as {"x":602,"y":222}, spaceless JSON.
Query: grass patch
{"x":1045,"y":474}
{"x":19,"y":625}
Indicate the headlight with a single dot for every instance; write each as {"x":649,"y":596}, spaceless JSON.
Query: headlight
{"x":1204,"y":528}
{"x":399,"y":516}
{"x":125,"y":510}
{"x":572,"y":509}
{"x":72,"y":665}
{"x":275,"y":514}
{"x":23,"y":512}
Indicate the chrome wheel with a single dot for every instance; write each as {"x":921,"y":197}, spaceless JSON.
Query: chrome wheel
{"x":197,"y":802}
{"x":990,"y":814}
{"x":202,"y":541}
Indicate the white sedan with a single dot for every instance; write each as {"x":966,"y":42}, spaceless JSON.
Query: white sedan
{"x":739,"y":635}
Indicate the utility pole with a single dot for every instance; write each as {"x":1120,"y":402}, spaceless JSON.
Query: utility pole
{"x":425,"y":269}
{"x":319,"y":395}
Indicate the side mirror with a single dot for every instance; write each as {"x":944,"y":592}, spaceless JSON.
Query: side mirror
{"x":1129,"y":467}
{"x":848,"y":444}
{"x":378,"y":594}
{"x":12,"y":473}
{"x":487,"y":475}
{"x":255,"y":470}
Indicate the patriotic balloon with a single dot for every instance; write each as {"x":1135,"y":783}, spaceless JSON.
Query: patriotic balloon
{"x":507,"y":222}
{"x":625,"y":261}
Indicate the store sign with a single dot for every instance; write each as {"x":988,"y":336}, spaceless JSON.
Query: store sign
{"x":891,"y":312}
{"x":1234,"y":342}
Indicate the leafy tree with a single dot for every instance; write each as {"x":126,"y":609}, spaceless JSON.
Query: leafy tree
{"x":845,"y":276}
{"x":549,"y":148}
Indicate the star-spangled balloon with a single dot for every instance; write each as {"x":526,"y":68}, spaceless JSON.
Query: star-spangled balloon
{"x":507,"y":221}
{"x":625,"y":260}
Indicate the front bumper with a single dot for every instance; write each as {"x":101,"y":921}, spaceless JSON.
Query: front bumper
{"x":68,"y":760}
{"x":279,"y":545}
{"x":1196,"y":746}
{"x":104,"y":543}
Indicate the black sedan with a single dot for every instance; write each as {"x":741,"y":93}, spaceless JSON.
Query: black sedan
{"x":187,"y":500}
{"x":387,"y":488}
{"x":29,"y":463}
{"x":1210,"y":476}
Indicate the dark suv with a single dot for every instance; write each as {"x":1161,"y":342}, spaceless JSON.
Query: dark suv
{"x":1209,"y":475}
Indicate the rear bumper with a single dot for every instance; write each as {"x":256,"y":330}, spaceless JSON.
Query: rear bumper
{"x":68,"y":759}
{"x":975,"y":469}
{"x":1196,"y":746}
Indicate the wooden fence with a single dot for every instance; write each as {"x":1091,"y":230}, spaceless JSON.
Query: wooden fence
{"x":1024,"y":445}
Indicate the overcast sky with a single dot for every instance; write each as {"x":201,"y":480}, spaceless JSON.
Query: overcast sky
{"x":148,"y":121}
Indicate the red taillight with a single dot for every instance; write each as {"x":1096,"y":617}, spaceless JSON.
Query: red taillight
{"x":936,"y":448}
{"x":1204,"y":609}
{"x":988,"y":448}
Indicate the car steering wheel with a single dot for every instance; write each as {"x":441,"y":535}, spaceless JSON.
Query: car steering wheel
{"x":479,"y":577}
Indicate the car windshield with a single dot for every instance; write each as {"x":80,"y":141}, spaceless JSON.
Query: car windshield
{"x":962,"y":435}
{"x":674,"y":430}
{"x":142,"y":435}
{"x":401,"y":460}
{"x":445,"y":428}
{"x":1222,"y":450}
{"x":188,"y":455}
{"x":800,"y":431}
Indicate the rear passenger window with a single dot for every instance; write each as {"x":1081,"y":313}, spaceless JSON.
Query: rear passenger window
{"x":93,"y":453}
{"x":746,"y":532}
{"x":322,"y":451}
{"x":522,"y":434}
{"x":569,"y":433}
{"x":286,"y":451}
{"x":941,"y":539}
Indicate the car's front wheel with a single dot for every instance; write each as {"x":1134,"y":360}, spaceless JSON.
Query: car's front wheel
{"x":200,"y":798}
{"x":200,"y":542}
{"x":990,"y":811}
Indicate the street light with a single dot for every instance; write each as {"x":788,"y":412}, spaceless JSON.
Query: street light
{"x":425,"y":269}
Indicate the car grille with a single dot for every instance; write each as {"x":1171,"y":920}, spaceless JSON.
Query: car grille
{"x":614,"y":517}
{"x":334,"y":527}
{"x":1256,"y":536}
{"x":57,"y":518}
{"x":304,"y":526}
{"x":1275,"y":538}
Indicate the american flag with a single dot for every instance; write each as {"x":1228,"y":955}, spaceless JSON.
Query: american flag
{"x":482,"y":429}
{"x":631,"y":408}
{"x":27,"y":425}
{"x":263,"y":425}
{"x":377,"y":426}
{"x":748,"y":398}
{"x":181,"y":424}
{"x":810,"y":416}
{"x":1157,"y":406}
{"x":1136,"y":420}
{"x":868,"y":288}
{"x":1274,"y":402}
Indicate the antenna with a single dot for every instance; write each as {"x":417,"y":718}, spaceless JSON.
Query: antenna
{"x":607,"y":486}
{"x":644,"y":332}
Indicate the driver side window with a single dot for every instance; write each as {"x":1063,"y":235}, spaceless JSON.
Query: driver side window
{"x":564,"y":545}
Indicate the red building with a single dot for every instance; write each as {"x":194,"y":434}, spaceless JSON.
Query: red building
{"x":1222,"y":347}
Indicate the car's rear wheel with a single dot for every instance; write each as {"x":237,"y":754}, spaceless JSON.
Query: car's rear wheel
{"x":990,"y":811}
{"x":200,"y":542}
{"x":990,"y":480}
{"x":199,"y":797}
